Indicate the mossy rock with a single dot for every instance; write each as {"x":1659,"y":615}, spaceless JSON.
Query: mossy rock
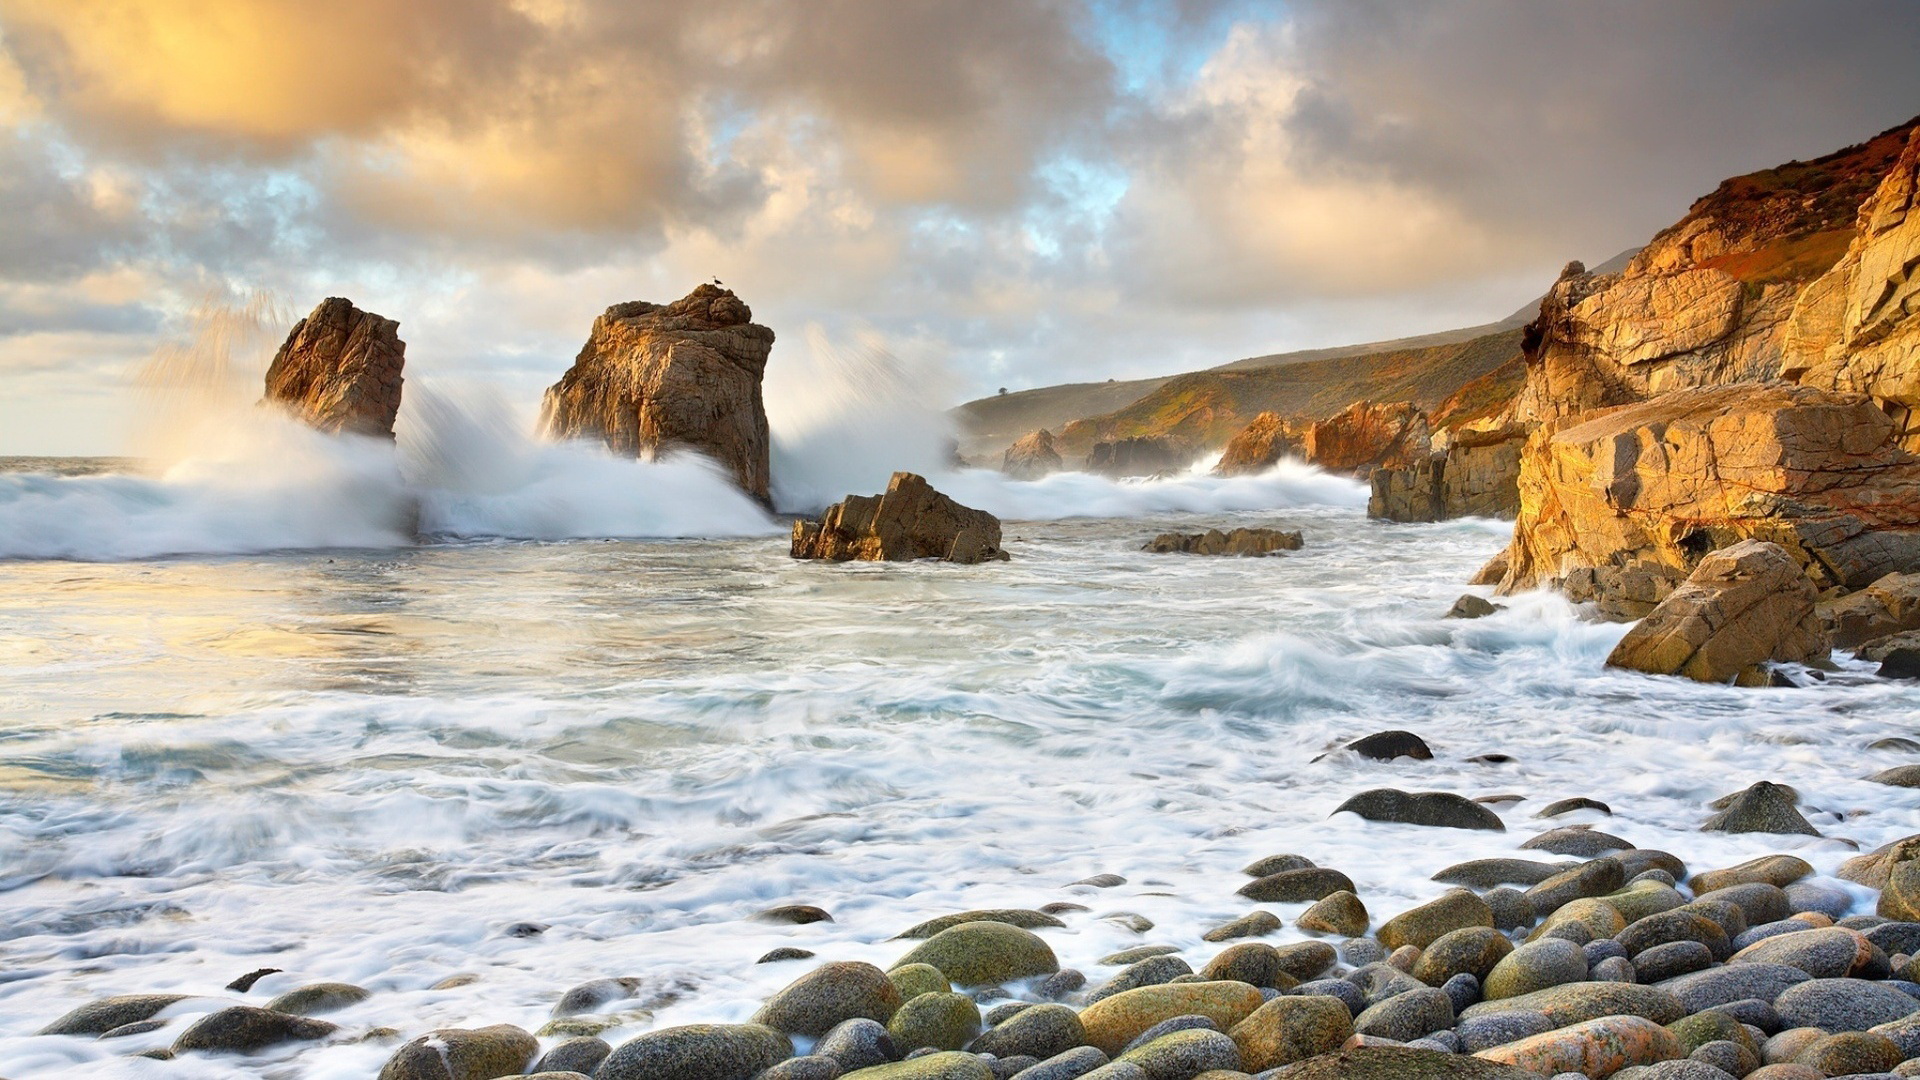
{"x":941,"y":1021}
{"x":1117,"y":1021}
{"x":984,"y":953}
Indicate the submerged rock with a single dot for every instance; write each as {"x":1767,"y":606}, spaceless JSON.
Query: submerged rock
{"x":1241,"y":541}
{"x":984,"y":953}
{"x":242,"y":1029}
{"x":104,"y":1015}
{"x":909,"y":521}
{"x":1743,"y":606}
{"x":339,"y":370}
{"x":1433,"y":808}
{"x":654,"y":377}
{"x":1764,"y":807}
{"x":472,"y":1054}
{"x":830,"y":994}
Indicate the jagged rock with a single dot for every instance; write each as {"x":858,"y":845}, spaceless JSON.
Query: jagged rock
{"x":1243,"y":541}
{"x":1365,"y":436}
{"x":1259,"y":446}
{"x":1897,"y":654}
{"x":1032,"y":457}
{"x":1478,"y":475}
{"x":1742,"y":606}
{"x":1765,"y":807}
{"x":1139,"y":455}
{"x":910,"y":521}
{"x":339,"y":370}
{"x":1470,"y":606}
{"x":1619,"y":507}
{"x":656,"y":377}
{"x":1888,"y":606}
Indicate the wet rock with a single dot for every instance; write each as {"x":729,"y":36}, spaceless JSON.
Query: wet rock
{"x":1059,"y":984}
{"x":592,"y":994}
{"x":1639,"y":860}
{"x":1809,"y":896}
{"x":1744,"y":605}
{"x":1851,"y":1053}
{"x":1113,"y":1023}
{"x":318,"y":998}
{"x":1253,"y":963}
{"x":985,"y":953}
{"x":1304,"y":959}
{"x":1149,"y":972}
{"x":138,"y":1027}
{"x":1779,"y":871}
{"x":1396,"y":1063}
{"x":1675,"y":958}
{"x":1423,"y":925}
{"x":1276,"y":864}
{"x":1259,"y":446}
{"x":245,"y":982}
{"x":1470,"y":606}
{"x":1137,"y":954}
{"x":1474,"y":950}
{"x":1637,"y":901}
{"x":1463,"y":990}
{"x":910,"y":520}
{"x":1297,"y":886}
{"x":810,"y":1067}
{"x":784,"y":953}
{"x":1241,"y":541}
{"x":582,"y":1055}
{"x":1597,"y":1047}
{"x":1407,"y":1016}
{"x":1596,"y":878}
{"x":1614,"y":969}
{"x":1020,"y":917}
{"x":1900,"y":899}
{"x":1894,"y":937}
{"x":940,"y":1021}
{"x":1667,"y":927}
{"x":1578,"y":842}
{"x":1572,"y":1003}
{"x":1757,"y":901}
{"x":1487,"y":873}
{"x":97,"y":1017}
{"x":1727,"y":916}
{"x":1723,"y":985}
{"x":858,"y":1044}
{"x":1835,"y":1005}
{"x":1830,"y":953}
{"x":243,"y":1029}
{"x":1043,"y":1031}
{"x":1067,"y":1065}
{"x":1103,"y":881}
{"x":1534,"y":966}
{"x":340,"y":370}
{"x":483,"y":1054}
{"x":940,"y":1065}
{"x":1568,"y":806}
{"x":1440,"y":809}
{"x":1032,"y":456}
{"x":1140,"y":455}
{"x":1184,"y":1054}
{"x":1701,"y":1028}
{"x":1387,"y":745}
{"x":1764,"y":807}
{"x":694,"y":1052}
{"x":1290,"y":1029}
{"x":816,"y":1002}
{"x":1252,"y":924}
{"x":912,"y":980}
{"x":1347,"y":992}
{"x":1338,"y":912}
{"x":1361,"y":951}
{"x":1479,"y":1033}
{"x":1168,"y":1027}
{"x":1596,"y":917}
{"x":793,"y":914}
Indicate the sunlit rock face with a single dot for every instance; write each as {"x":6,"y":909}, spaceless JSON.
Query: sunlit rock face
{"x":1742,"y":607}
{"x":1620,"y":506}
{"x":1366,"y":436}
{"x":910,"y":520}
{"x":1259,"y":446}
{"x":656,"y":377}
{"x":340,"y":370}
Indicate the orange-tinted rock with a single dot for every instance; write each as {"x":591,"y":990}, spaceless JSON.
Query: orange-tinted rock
{"x":1743,"y":606}
{"x":1365,"y":436}
{"x":909,"y":521}
{"x":340,"y":370}
{"x":685,"y":375}
{"x":1259,"y":446}
{"x":1595,"y":1048}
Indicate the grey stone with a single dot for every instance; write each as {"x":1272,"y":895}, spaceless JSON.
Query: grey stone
{"x":475,"y":1053}
{"x":243,"y":1029}
{"x":581,"y":1055}
{"x":1486,"y":873}
{"x":1758,"y":901}
{"x":1439,"y":809}
{"x":1765,"y":807}
{"x":1043,"y":1031}
{"x":1675,"y":958}
{"x":1407,"y":1016}
{"x":1479,"y":1033}
{"x":698,"y":1052}
{"x":817,"y":1001}
{"x":1580,"y":843}
{"x":1069,"y":1065}
{"x":319,"y":998}
{"x":1836,"y":1005}
{"x":1463,"y":990}
{"x":1152,"y":971}
{"x":1355,"y":998}
{"x":1185,"y":1054}
{"x":811,"y":1067}
{"x":858,"y":1044}
{"x":1736,"y":982}
{"x":1813,"y":896}
{"x":106,"y":1014}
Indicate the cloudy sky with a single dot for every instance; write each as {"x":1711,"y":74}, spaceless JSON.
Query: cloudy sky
{"x":1023,"y":191}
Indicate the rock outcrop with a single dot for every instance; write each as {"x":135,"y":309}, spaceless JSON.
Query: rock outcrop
{"x":1366,"y":436}
{"x":1890,"y":605}
{"x":1477,"y":475}
{"x":1621,"y":506}
{"x":909,"y":521}
{"x":1214,"y":542}
{"x":1032,"y":457}
{"x":1743,"y":606}
{"x":1140,"y":455}
{"x":658,"y":377}
{"x":340,"y":370}
{"x":1259,"y":446}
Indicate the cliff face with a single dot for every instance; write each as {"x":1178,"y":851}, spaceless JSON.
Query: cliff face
{"x":1259,"y":446}
{"x":658,"y":376}
{"x":340,"y":370}
{"x":1365,"y":436}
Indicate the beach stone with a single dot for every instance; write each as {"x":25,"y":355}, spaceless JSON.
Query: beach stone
{"x":1637,"y":901}
{"x":1382,"y":981}
{"x":1731,"y":920}
{"x":1297,"y":886}
{"x":1758,"y":901}
{"x":1290,"y":1029}
{"x":1683,"y":1069}
{"x":1152,"y":971}
{"x":1404,"y":957}
{"x":984,"y":953}
{"x":810,"y":1067}
{"x":1168,"y":1027}
{"x":581,"y":1055}
{"x":1835,"y":1005}
{"x":97,"y":1017}
{"x":500,"y":1050}
{"x":912,"y":980}
{"x":1851,"y":1052}
{"x":860,"y":1043}
{"x":1276,"y":864}
{"x":1732,"y":1058}
{"x":1102,"y":881}
{"x":243,"y":1029}
{"x":1252,"y":924}
{"x":1722,"y":985}
{"x":1436,"y":809}
{"x":1066,"y":1065}
{"x":1900,"y":899}
{"x":1113,"y":1023}
{"x":1872,"y":868}
{"x":1597,"y":1047}
{"x":1471,"y":949}
{"x":694,"y":1052}
{"x":1478,"y":1033}
{"x":817,"y":1001}
{"x":1786,"y":1071}
{"x":138,"y":1027}
{"x":940,"y":1065}
{"x":1043,"y":1031}
{"x":783,"y":953}
{"x":1305,"y":959}
{"x":1361,"y":951}
{"x":1906,"y":776}
{"x":592,"y":994}
{"x":1407,"y":1016}
{"x":793,"y":915}
{"x":1786,"y":1044}
{"x":1133,"y":921}
{"x":319,"y":998}
{"x":1486,"y":873}
{"x":1597,"y":917}
{"x":1059,"y":984}
{"x":1675,"y":958}
{"x":1589,"y":879}
{"x":1138,"y":953}
{"x":1704,"y":1027}
{"x":1577,"y":842}
{"x":1640,"y":860}
{"x":1573,"y":1003}
{"x":1354,"y":998}
{"x":1395,"y":1063}
{"x":1568,"y":806}
{"x":1753,"y":1014}
{"x":1118,"y":1070}
{"x":1463,"y":990}
{"x":1387,"y":745}
{"x":1667,"y":927}
{"x":1765,"y":807}
{"x":1604,"y":949}
{"x":1830,"y":953}
{"x":941,"y":1021}
{"x":1423,"y":925}
{"x":1810,"y":896}
{"x":1250,"y":962}
{"x":1764,"y":931}
{"x":1655,"y":875}
{"x":1339,"y":912}
{"x":1536,"y":965}
{"x":1019,"y":917}
{"x":1614,"y":969}
{"x":1510,"y":907}
{"x":1776,"y":870}
{"x":1004,"y":1012}
{"x":1184,"y":1054}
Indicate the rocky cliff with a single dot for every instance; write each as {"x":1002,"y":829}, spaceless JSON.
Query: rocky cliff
{"x":656,"y":377}
{"x":1259,"y":446}
{"x":1366,"y":436}
{"x":1032,"y":457}
{"x":340,"y":370}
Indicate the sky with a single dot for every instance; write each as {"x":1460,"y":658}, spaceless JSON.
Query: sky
{"x":1021,"y":192}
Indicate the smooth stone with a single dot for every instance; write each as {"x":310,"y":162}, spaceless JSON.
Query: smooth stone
{"x":1152,"y":971}
{"x":1059,"y":984}
{"x":1102,"y":881}
{"x":1290,"y":1029}
{"x":940,"y":1021}
{"x":1614,"y":969}
{"x":591,"y":995}
{"x":1722,"y":985}
{"x":1578,"y":842}
{"x":1354,"y":998}
{"x":1066,"y":1065}
{"x":1477,"y":1033}
{"x":104,"y":1015}
{"x":1361,"y":951}
{"x":1906,"y":776}
{"x":1732,"y":1058}
{"x":1636,"y":902}
{"x":1276,"y":864}
{"x":1511,"y":908}
{"x":1113,"y":1023}
{"x":1252,"y":924}
{"x":1305,"y":960}
{"x":138,"y":1027}
{"x":244,"y":1029}
{"x":1851,"y":1053}
{"x":1752,"y":1013}
{"x":1016,"y":917}
{"x":912,"y":980}
{"x":1382,"y":981}
{"x":1168,"y":1027}
{"x":1829,"y":953}
{"x":1338,"y":912}
{"x":1892,"y":937}
{"x":1731,"y":920}
{"x":1765,"y":807}
{"x":1486,"y":873}
{"x":581,"y":1055}
{"x":1667,"y":927}
{"x":1900,"y":898}
{"x":810,"y":1067}
{"x":1407,"y":1016}
{"x":696,"y":1052}
{"x":816,"y":1002}
{"x":1604,"y":949}
{"x":1705,"y":1027}
{"x":1599,"y":918}
{"x":1387,"y":745}
{"x":1764,"y":931}
{"x":940,"y":1065}
{"x":1757,"y":900}
{"x":1297,"y":886}
{"x":793,"y":915}
{"x":1573,"y":1003}
{"x":1138,"y":953}
{"x":1534,"y":966}
{"x":1806,"y":896}
{"x":1568,"y":806}
{"x":1395,"y":1063}
{"x":858,"y":1044}
{"x":1185,"y":1054}
{"x":1471,"y":949}
{"x":1423,"y":925}
{"x":984,"y":953}
{"x":500,"y":1050}
{"x":1463,"y":990}
{"x":783,"y":953}
{"x":1042,"y":1031}
{"x":1437,"y":809}
{"x":319,"y":998}
{"x":1601,"y":1046}
{"x":1776,"y":870}
{"x":1250,"y":962}
{"x":1672,"y":960}
{"x":1905,"y":1034}
{"x":1589,"y":879}
{"x":1836,"y":1005}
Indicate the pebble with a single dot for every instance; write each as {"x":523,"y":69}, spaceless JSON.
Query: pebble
{"x":940,"y":1021}
{"x":1536,"y":965}
{"x":244,"y":1029}
{"x":1360,"y":952}
{"x":1578,"y":842}
{"x":1015,"y":917}
{"x":1812,"y":896}
{"x":1597,"y":1047}
{"x":1350,"y":995}
{"x":816,"y":1002}
{"x":1276,"y":864}
{"x":1250,"y":962}
{"x":793,"y":914}
{"x":1253,"y":924}
{"x":1043,"y":1031}
{"x":503,"y":1050}
{"x":1765,"y":807}
{"x":1152,"y":971}
{"x":1831,"y":953}
{"x":858,"y":1044}
{"x":1477,"y":1033}
{"x":1675,"y":958}
{"x":985,"y":953}
{"x":1718,"y":986}
{"x":775,"y":956}
{"x":1837,"y":1005}
{"x":1113,"y":1023}
{"x":1407,"y":1016}
{"x":106,"y":1014}
{"x":1297,"y":886}
{"x":581,"y":1055}
{"x":1463,"y":990}
{"x":1338,"y":912}
{"x":1185,"y":1054}
{"x":1437,"y":809}
{"x":1422,"y":925}
{"x":1511,"y":908}
{"x":1487,"y":873}
{"x":1069,"y":1065}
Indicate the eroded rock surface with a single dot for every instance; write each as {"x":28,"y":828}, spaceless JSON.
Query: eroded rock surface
{"x":340,"y":370}
{"x":909,"y":521}
{"x":1140,"y":455}
{"x":1032,"y":457}
{"x":1366,"y":436}
{"x":1259,"y":446}
{"x":1743,"y":606}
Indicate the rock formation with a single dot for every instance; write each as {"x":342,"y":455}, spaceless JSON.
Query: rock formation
{"x":339,"y":370}
{"x":656,"y":377}
{"x":909,"y":521}
{"x":1890,"y":605}
{"x":1621,"y":506}
{"x":1743,"y":606}
{"x":1365,"y":436}
{"x":1259,"y":446}
{"x":1032,"y":457}
{"x":1140,"y":455}
{"x":1254,"y":542}
{"x":1477,"y":475}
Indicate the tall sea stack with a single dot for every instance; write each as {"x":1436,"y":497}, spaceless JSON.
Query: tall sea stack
{"x":340,"y":370}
